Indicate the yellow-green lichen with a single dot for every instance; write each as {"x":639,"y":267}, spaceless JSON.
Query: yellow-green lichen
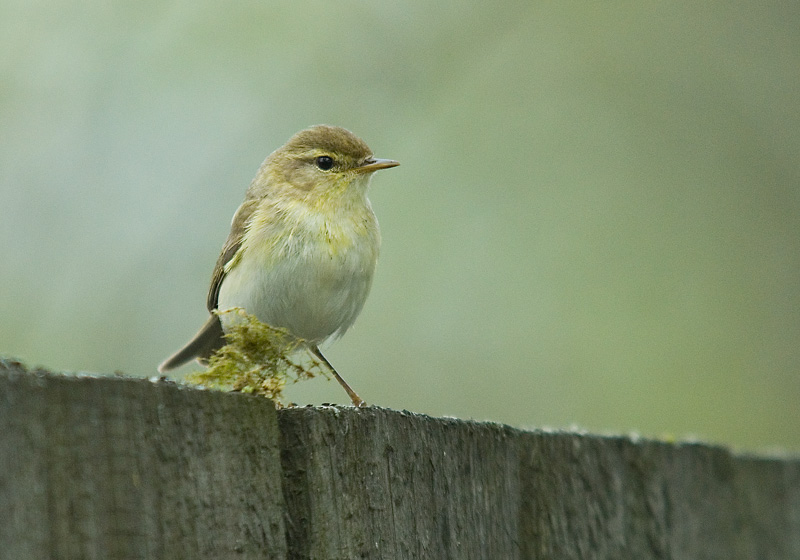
{"x":257,"y":359}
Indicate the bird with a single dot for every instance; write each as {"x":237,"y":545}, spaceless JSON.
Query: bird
{"x":302,"y":248}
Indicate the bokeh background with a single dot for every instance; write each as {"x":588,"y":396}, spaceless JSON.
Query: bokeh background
{"x":596,"y":222}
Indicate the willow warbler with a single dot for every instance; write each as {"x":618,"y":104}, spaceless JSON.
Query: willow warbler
{"x":302,"y":248}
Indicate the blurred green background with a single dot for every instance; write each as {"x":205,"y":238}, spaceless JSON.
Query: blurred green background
{"x":596,"y":221}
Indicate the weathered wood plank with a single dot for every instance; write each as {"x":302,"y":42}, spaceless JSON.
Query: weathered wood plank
{"x":120,"y":468}
{"x":373,"y":483}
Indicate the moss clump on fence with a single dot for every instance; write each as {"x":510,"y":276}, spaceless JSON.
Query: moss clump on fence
{"x":257,"y":359}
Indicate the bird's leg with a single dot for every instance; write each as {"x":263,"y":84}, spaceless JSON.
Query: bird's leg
{"x":357,"y":401}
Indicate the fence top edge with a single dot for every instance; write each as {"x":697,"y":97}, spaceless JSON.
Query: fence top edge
{"x":15,"y":370}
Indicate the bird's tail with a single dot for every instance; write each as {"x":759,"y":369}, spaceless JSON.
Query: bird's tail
{"x":208,"y":339}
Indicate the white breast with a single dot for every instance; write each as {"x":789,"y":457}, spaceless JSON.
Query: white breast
{"x":313,"y":282}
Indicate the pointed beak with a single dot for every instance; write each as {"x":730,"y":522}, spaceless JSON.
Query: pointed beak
{"x":373,"y":164}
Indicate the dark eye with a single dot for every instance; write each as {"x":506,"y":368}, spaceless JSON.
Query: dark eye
{"x":324,"y":162}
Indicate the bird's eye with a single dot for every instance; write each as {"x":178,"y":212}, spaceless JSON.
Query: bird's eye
{"x":324,"y":162}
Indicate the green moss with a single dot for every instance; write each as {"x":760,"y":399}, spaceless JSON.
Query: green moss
{"x":257,"y":359}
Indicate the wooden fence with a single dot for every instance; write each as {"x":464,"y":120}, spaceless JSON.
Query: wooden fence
{"x":118,"y":468}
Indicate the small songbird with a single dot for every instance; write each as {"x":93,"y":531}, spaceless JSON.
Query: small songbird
{"x":303,"y":245}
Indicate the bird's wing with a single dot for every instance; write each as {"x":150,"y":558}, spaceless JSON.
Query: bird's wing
{"x":211,"y":337}
{"x":232,"y":244}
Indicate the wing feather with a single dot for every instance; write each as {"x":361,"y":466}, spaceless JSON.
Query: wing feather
{"x":238,"y":228}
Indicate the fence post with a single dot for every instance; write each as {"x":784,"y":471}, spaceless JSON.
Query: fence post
{"x":113,"y":468}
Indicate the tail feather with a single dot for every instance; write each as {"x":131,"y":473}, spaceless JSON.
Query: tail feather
{"x":208,"y":339}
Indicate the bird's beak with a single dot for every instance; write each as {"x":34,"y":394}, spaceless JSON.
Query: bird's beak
{"x":373,"y":164}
